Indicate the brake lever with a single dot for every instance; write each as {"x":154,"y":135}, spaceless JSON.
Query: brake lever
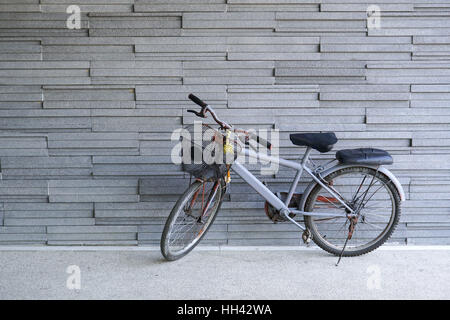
{"x":202,"y":114}
{"x":198,"y":114}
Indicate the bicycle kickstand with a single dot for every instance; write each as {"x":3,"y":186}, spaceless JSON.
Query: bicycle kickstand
{"x":351,"y":229}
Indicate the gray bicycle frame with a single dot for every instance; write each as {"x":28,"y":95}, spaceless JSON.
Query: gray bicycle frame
{"x":276,"y":202}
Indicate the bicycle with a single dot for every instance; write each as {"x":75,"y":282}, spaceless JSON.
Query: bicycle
{"x":349,"y":208}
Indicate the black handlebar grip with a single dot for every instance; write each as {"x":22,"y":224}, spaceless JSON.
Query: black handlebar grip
{"x":261,"y":141}
{"x":197,"y":100}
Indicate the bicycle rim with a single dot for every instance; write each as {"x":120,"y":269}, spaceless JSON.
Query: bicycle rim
{"x":368,"y":192}
{"x":192,"y":217}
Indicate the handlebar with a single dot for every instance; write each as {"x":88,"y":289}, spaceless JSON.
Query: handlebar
{"x":197,"y":100}
{"x":204,"y":110}
{"x":223,"y":125}
{"x":260,"y":140}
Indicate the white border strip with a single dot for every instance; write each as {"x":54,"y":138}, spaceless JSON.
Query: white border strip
{"x":208,"y":248}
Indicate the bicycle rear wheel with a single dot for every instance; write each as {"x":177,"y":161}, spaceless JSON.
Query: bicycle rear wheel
{"x":373,"y":197}
{"x":190,"y":218}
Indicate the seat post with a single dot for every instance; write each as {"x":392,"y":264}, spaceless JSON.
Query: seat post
{"x":306,"y":156}
{"x":297,"y":177}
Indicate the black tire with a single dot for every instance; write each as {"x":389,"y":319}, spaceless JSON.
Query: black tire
{"x":176,"y":211}
{"x":321,"y":239}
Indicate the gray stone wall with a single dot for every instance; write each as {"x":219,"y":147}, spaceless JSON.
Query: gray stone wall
{"x":86,"y":115}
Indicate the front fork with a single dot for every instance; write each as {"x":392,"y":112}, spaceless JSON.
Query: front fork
{"x":211,"y":196}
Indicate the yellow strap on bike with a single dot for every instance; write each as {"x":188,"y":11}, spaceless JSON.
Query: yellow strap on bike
{"x":228,"y":147}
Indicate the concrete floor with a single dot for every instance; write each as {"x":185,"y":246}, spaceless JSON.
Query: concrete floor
{"x":224,"y":274}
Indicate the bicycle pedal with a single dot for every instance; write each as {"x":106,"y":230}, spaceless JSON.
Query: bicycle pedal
{"x":306,"y":237}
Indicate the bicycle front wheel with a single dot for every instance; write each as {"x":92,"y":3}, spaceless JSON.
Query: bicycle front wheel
{"x":370,"y":194}
{"x":190,"y":218}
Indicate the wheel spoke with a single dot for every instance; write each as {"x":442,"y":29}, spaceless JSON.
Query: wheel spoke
{"x":373,"y":225}
{"x":372,"y":200}
{"x":185,"y":228}
{"x":372,"y":195}
{"x":342,"y":227}
{"x":359,"y":188}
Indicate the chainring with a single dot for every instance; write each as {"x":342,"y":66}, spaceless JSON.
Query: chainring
{"x":274,"y":215}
